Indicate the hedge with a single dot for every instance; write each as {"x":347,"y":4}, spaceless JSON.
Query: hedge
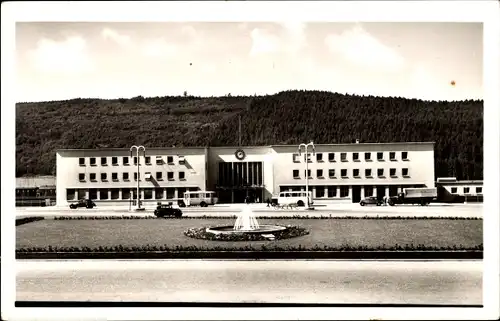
{"x":307,"y":217}
{"x":262,"y":248}
{"x":26,"y":220}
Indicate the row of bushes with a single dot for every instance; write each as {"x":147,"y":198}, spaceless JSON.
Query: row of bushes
{"x":201,"y":233}
{"x":322,"y":217}
{"x":26,"y":220}
{"x":246,"y":248}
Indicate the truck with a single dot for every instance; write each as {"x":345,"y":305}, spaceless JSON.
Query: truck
{"x":422,"y":196}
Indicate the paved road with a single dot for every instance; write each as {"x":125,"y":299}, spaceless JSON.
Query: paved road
{"x":460,"y":210}
{"x":409,"y":282}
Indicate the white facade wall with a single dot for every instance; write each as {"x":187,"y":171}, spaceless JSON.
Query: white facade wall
{"x":68,"y":170}
{"x":475,"y":189}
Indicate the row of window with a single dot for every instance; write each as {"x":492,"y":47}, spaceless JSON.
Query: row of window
{"x":355,"y":173}
{"x":126,"y":177}
{"x":466,"y":190}
{"x":124,"y":193}
{"x":126,"y":160}
{"x":355,"y":157}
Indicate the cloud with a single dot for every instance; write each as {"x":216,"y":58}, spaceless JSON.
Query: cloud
{"x":263,"y":42}
{"x":361,"y":48}
{"x":159,"y":48}
{"x":110,"y":34}
{"x":69,"y":56}
{"x":295,"y":36}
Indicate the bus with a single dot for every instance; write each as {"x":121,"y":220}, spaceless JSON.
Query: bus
{"x":201,"y":198}
{"x":298,"y":197}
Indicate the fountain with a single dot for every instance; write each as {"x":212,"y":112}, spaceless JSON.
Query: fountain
{"x":246,"y":223}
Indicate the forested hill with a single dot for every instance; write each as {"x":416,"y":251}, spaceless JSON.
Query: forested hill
{"x":290,"y":117}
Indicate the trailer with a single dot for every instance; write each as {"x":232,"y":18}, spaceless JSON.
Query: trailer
{"x":422,"y":196}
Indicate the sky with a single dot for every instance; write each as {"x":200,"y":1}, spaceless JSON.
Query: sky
{"x":64,"y":60}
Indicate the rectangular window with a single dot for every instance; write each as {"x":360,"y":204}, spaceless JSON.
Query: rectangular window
{"x":355,"y":172}
{"x":380,"y":156}
{"x":319,"y":173}
{"x":392,"y":172}
{"x":344,"y":191}
{"x":479,"y":190}
{"x":81,"y":177}
{"x":308,"y":173}
{"x":70,"y":194}
{"x":92,"y":176}
{"x":170,"y":159}
{"x":368,"y":156}
{"x":125,"y":177}
{"x":319,"y":157}
{"x":126,"y":195}
{"x":331,"y":173}
{"x":380,"y":172}
{"x":355,"y":157}
{"x":405,"y":172}
{"x":296,"y":158}
{"x":159,"y":160}
{"x":135,"y":160}
{"x":93,"y":161}
{"x":182,"y":175}
{"x":126,"y":161}
{"x":159,"y":176}
{"x":320,"y":191}
{"x":114,"y":161}
{"x":103,"y":194}
{"x":343,"y":157}
{"x":343,"y":173}
{"x":392,"y":156}
{"x":147,"y":176}
{"x":170,"y":176}
{"x":135,"y":176}
{"x":115,"y":193}
{"x":104,"y":177}
{"x":182,"y":160}
{"x":114,"y":176}
{"x":82,"y":193}
{"x":148,"y":160}
{"x":148,"y":193}
{"x":104,"y":161}
{"x":159,"y":193}
{"x":332,"y":191}
{"x":81,"y":161}
{"x":170,"y":193}
{"x":404,"y":155}
{"x":307,"y":157}
{"x":296,"y":173}
{"x":331,"y":157}
{"x":466,"y":190}
{"x":453,"y":190}
{"x":368,"y":172}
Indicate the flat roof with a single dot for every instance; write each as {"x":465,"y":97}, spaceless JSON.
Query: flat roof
{"x":460,"y":182}
{"x":236,"y":147}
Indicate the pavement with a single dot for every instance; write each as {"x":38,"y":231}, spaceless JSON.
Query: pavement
{"x":298,"y":281}
{"x":343,"y":209}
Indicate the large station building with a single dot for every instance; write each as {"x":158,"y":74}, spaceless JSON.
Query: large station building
{"x":336,"y":171}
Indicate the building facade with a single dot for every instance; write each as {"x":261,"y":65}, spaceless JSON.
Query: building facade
{"x":35,"y":191}
{"x":462,"y":191}
{"x":336,"y":172}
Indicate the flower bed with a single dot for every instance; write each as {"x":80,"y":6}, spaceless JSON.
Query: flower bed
{"x":201,"y":233}
{"x":26,"y":220}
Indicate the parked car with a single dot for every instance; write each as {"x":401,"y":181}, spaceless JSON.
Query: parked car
{"x":370,"y":200}
{"x":167,"y":210}
{"x":82,"y":203}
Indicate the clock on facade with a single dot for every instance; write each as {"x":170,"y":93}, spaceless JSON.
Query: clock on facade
{"x":240,"y":154}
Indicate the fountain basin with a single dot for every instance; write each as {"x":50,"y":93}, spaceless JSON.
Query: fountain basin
{"x":262,"y":229}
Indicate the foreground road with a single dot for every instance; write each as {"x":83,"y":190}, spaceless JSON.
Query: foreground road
{"x":369,"y":282}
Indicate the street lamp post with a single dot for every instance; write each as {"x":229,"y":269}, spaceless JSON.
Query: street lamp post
{"x":138,"y":149}
{"x":306,"y":146}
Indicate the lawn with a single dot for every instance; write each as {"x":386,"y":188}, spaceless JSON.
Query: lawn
{"x":323,"y":232}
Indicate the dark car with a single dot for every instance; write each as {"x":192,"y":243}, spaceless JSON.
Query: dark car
{"x":167,"y":210}
{"x":82,"y":203}
{"x":370,"y":200}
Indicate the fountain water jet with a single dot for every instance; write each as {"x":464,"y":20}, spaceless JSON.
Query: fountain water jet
{"x":246,"y":221}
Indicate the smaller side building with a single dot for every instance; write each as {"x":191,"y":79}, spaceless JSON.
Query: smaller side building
{"x":35,"y":191}
{"x":452,"y":190}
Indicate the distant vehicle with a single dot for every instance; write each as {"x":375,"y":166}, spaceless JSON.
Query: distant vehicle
{"x":82,"y":203}
{"x":422,"y":196}
{"x":200,"y":198}
{"x":299,"y":198}
{"x":373,"y":200}
{"x":167,"y":210}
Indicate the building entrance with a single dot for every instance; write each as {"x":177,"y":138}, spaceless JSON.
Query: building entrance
{"x":356,"y":194}
{"x":239,"y":180}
